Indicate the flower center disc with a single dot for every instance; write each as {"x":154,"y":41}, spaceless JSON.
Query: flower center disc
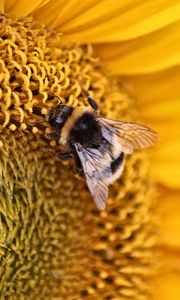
{"x":54,"y":242}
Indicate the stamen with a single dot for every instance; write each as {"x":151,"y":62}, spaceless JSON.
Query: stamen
{"x":37,"y":65}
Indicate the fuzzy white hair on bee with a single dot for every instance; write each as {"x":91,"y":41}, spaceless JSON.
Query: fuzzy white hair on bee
{"x":98,"y":145}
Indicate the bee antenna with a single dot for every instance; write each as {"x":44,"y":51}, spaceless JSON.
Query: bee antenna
{"x":91,"y":101}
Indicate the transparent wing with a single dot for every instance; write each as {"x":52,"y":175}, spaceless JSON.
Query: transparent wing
{"x":130,"y":136}
{"x":96,"y":168}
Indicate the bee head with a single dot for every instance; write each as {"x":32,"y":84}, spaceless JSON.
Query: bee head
{"x":58,"y":115}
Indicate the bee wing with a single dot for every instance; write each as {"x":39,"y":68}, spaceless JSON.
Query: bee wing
{"x":95,"y":170}
{"x":130,"y":136}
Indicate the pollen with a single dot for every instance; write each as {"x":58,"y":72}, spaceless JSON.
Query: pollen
{"x":54,"y":244}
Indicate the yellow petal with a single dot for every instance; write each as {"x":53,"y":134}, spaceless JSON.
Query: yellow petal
{"x":167,"y":287}
{"x":158,"y":102}
{"x":2,"y":4}
{"x":167,"y":283}
{"x":164,"y":117}
{"x":22,"y":8}
{"x":162,"y":112}
{"x":165,"y":155}
{"x":156,"y":87}
{"x":55,"y":13}
{"x":170,"y":221}
{"x":108,"y":20}
{"x":166,"y":161}
{"x":154,"y":52}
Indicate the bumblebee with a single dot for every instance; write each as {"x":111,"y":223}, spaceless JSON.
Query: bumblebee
{"x":98,"y":145}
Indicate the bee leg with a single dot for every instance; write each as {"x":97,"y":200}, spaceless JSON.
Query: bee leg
{"x":53,"y":135}
{"x":65,"y":155}
{"x":80,"y":171}
{"x":79,"y":166}
{"x":61,"y":155}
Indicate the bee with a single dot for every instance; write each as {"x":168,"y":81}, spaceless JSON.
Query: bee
{"x":98,"y":145}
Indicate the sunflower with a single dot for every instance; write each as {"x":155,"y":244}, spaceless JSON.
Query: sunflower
{"x":53,"y":242}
